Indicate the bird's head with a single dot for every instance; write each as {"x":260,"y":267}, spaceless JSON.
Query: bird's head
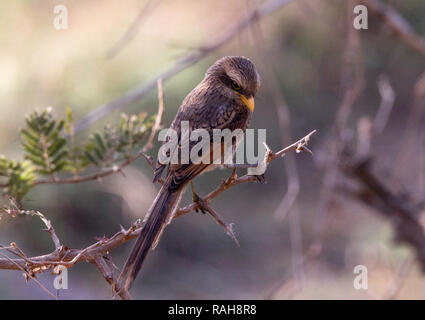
{"x":236,"y":78}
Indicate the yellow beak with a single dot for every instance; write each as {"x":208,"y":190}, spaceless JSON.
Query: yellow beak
{"x":249,"y":102}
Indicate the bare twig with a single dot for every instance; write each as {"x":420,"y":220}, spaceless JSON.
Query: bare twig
{"x":158,"y":118}
{"x":107,"y":272}
{"x":94,"y":176}
{"x":387,"y":102}
{"x":69,"y":257}
{"x":16,"y":210}
{"x":299,"y":146}
{"x":364,"y":136}
{"x":414,"y":126}
{"x":234,"y":180}
{"x":132,"y":29}
{"x":29,"y":275}
{"x":50,"y":230}
{"x":203,"y":206}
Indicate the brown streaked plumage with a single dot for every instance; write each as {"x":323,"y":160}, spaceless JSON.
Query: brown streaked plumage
{"x":224,"y":99}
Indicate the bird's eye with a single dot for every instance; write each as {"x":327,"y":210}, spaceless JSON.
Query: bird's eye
{"x":236,"y":86}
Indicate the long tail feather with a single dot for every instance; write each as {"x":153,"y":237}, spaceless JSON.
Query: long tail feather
{"x":158,"y":217}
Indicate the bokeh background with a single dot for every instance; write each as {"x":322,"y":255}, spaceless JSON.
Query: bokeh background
{"x":303,"y":43}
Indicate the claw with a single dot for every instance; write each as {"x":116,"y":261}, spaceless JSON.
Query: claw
{"x":198,"y":200}
{"x":261,"y":178}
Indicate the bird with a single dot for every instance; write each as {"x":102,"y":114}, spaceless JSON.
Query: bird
{"x":224,"y":99}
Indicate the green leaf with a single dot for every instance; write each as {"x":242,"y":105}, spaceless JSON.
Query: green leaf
{"x":21,"y":178}
{"x":56,"y":146}
{"x":44,"y":141}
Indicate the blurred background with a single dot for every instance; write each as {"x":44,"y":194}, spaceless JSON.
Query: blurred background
{"x":310,"y":58}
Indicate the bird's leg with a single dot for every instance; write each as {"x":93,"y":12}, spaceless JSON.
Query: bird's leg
{"x":205,"y":207}
{"x":198,"y":200}
{"x":260,"y":178}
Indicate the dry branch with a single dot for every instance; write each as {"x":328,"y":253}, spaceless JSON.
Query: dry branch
{"x":95,"y":252}
{"x":132,"y":29}
{"x":158,"y":117}
{"x":106,"y":269}
{"x":234,"y":180}
{"x":91,"y":177}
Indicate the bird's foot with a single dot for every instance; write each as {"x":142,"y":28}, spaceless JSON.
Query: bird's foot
{"x":205,"y":207}
{"x":202,"y":205}
{"x":261,"y":178}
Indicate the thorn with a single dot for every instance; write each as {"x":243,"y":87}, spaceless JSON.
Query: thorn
{"x":122,"y":172}
{"x":231,"y":233}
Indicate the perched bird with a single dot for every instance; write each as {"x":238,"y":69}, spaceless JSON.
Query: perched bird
{"x":224,"y":99}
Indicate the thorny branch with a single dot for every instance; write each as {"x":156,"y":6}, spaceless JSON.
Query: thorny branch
{"x":233,"y":180}
{"x":96,"y":252}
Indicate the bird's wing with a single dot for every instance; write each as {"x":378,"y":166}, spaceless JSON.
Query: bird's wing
{"x":203,"y":110}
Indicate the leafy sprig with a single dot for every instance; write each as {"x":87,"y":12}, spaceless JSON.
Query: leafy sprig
{"x":50,"y":150}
